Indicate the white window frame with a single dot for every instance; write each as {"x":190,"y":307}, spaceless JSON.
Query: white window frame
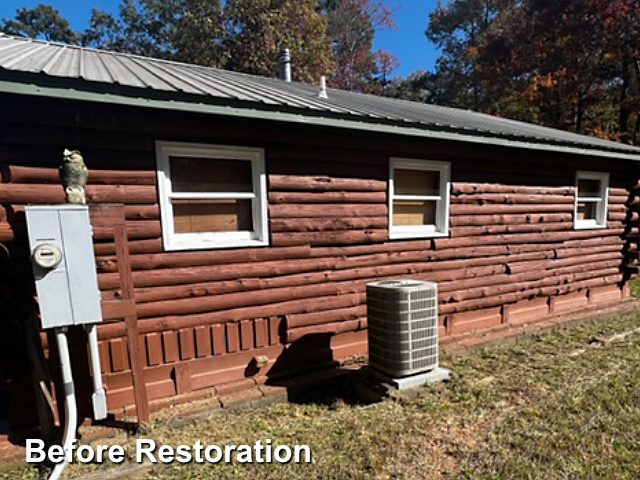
{"x":212,"y":240}
{"x":441,"y":227}
{"x":602,"y":202}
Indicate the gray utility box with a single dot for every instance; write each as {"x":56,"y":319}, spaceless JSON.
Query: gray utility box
{"x":402,"y":326}
{"x":64,"y":265}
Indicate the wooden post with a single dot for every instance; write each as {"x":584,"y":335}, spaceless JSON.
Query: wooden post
{"x":114,"y":216}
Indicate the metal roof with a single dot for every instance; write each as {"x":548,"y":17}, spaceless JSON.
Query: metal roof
{"x":76,"y":72}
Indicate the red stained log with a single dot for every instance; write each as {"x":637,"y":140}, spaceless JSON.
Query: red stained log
{"x":451,"y":291}
{"x":297,"y":320}
{"x":329,"y":328}
{"x":135,"y":246}
{"x":532,"y":247}
{"x":470,"y":188}
{"x":618,"y":208}
{"x":488,"y":209}
{"x":12,"y":232}
{"x":620,"y":192}
{"x":618,"y":199}
{"x":425,"y":246}
{"x":327,"y":197}
{"x":590,"y":242}
{"x":498,"y":260}
{"x":177,"y":276}
{"x":23,"y":193}
{"x":578,"y":252}
{"x":382,"y":248}
{"x":209,"y":257}
{"x":324,"y":184}
{"x":624,"y":217}
{"x":135,"y":229}
{"x":511,"y":199}
{"x":442,"y":243}
{"x":142,"y":212}
{"x":21,"y":174}
{"x":471,"y":252}
{"x":329,"y":238}
{"x":326,"y":224}
{"x":132,"y":212}
{"x":517,"y":267}
{"x":327,"y":210}
{"x":534,"y":218}
{"x":586,"y":267}
{"x":496,"y":229}
{"x":594,"y":282}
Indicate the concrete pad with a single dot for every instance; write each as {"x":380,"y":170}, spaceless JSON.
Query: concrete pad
{"x":412,"y":381}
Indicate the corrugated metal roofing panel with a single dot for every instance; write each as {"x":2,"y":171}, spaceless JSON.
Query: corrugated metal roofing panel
{"x":220,"y":87}
{"x":93,"y":68}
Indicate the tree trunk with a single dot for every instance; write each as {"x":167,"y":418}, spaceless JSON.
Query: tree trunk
{"x":623,"y":121}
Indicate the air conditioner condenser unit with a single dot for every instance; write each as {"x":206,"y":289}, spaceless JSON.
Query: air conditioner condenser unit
{"x":403,"y":331}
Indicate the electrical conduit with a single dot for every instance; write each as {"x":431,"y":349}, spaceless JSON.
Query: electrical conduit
{"x":70,"y":407}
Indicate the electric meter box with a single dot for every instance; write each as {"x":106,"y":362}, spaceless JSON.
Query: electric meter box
{"x":64,"y":265}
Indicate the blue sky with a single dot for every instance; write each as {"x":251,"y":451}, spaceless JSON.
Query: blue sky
{"x":407,"y":42}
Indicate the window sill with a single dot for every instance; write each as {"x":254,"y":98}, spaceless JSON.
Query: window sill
{"x":213,"y":245}
{"x":400,"y":235}
{"x":589,"y":226}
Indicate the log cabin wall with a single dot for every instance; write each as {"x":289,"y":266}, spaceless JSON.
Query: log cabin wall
{"x":512,"y":256}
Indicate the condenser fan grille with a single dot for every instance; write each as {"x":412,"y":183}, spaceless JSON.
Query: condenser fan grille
{"x":403,"y":326}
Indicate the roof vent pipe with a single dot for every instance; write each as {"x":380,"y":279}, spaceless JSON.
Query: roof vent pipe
{"x":284,"y":59}
{"x":323,"y":87}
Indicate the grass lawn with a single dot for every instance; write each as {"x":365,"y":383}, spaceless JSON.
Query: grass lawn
{"x":559,"y":405}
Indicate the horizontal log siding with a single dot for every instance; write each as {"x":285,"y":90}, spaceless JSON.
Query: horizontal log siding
{"x":205,"y":314}
{"x":316,"y":280}
{"x":322,"y":210}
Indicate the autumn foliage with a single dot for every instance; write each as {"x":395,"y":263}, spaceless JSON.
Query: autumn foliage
{"x":325,"y":37}
{"x":568,"y":64}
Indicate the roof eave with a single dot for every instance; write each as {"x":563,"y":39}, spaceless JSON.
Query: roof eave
{"x":57,"y":90}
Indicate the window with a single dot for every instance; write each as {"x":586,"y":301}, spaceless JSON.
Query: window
{"x":591,"y":199}
{"x":418,"y":198}
{"x":211,"y":196}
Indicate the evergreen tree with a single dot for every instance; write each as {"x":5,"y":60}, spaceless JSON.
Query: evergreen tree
{"x":42,"y":21}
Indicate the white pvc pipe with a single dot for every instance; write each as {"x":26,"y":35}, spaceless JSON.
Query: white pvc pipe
{"x":70,"y":407}
{"x":99,"y":396}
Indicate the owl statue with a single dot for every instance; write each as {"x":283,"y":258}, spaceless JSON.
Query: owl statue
{"x":74,"y":175}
